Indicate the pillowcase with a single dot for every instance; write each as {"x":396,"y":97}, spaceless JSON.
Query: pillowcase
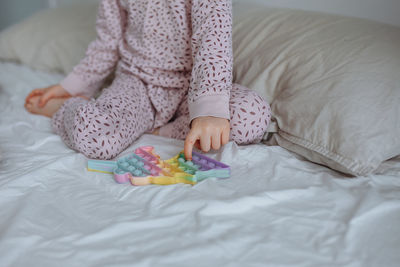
{"x":333,"y":83}
{"x":51,"y":40}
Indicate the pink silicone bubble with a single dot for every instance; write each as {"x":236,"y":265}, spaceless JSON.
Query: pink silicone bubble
{"x":122,"y":178}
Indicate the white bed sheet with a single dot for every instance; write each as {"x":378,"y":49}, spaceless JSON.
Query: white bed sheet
{"x":276,"y":209}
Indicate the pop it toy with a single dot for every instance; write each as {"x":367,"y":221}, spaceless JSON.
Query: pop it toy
{"x":145,"y":167}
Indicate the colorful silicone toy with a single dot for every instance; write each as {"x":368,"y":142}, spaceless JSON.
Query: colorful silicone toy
{"x":145,"y":167}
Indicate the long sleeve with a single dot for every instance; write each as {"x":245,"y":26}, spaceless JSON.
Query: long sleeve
{"x":211,"y":80}
{"x":102,"y":54}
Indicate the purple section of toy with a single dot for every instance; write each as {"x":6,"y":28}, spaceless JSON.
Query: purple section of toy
{"x":207,"y":163}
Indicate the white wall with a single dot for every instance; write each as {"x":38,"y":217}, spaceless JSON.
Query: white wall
{"x":12,"y":11}
{"x":387,"y":11}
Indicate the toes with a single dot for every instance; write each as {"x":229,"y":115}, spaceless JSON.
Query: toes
{"x":33,"y":100}
{"x":28,"y":107}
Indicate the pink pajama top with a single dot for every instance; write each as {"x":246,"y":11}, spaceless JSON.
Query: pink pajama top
{"x":167,"y":43}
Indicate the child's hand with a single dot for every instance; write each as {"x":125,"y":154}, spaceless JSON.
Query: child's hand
{"x":55,"y":91}
{"x":206,"y":133}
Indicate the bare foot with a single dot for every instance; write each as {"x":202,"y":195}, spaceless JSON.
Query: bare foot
{"x":48,"y":110}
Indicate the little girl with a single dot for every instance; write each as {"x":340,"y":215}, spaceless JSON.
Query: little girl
{"x":173,"y":77}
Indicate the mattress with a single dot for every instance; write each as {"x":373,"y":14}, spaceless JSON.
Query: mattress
{"x":276,"y":209}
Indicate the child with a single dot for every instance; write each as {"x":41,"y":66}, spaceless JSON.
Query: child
{"x":173,"y":77}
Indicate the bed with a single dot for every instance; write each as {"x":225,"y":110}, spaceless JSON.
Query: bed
{"x":279,"y":207}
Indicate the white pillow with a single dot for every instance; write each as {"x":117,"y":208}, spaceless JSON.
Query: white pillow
{"x":51,"y":40}
{"x":334,"y":83}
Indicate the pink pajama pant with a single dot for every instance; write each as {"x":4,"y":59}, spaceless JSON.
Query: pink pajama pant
{"x":102,"y":128}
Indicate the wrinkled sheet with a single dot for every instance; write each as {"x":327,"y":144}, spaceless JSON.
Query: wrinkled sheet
{"x":277,"y":209}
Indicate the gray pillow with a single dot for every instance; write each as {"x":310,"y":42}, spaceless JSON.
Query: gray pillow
{"x":333,"y":82}
{"x":51,"y":40}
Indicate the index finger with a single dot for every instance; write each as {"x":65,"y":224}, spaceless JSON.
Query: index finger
{"x":190,"y":140}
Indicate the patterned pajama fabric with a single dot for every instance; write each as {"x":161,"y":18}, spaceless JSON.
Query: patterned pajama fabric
{"x":173,"y":63}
